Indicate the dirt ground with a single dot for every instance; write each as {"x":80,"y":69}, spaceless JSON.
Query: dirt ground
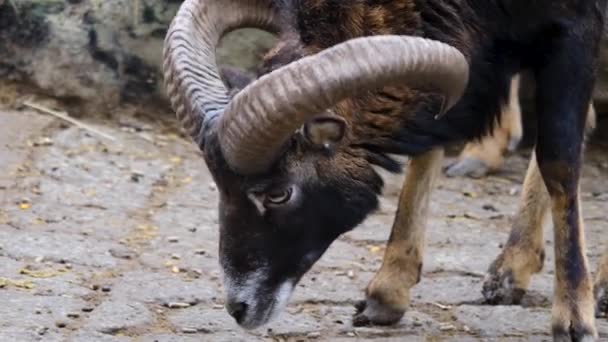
{"x":106,"y":240}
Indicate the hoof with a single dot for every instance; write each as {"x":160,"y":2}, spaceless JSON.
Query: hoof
{"x":371,"y":312}
{"x":601,"y":296}
{"x":500,"y":290}
{"x":468,"y":167}
{"x":574,"y":334}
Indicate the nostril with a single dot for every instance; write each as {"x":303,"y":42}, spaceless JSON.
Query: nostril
{"x":237,"y":310}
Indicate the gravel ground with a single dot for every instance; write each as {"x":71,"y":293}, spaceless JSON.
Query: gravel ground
{"x":117,"y":241}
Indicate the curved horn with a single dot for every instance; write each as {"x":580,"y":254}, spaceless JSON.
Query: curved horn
{"x":258,"y":121}
{"x":191,"y":74}
{"x":265,"y":114}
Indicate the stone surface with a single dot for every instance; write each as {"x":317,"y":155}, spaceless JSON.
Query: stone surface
{"x":101,"y":52}
{"x":121,"y":238}
{"x":112,"y":317}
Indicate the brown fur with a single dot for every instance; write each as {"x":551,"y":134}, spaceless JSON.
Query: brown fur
{"x":523,"y":255}
{"x":573,"y":300}
{"x":402,"y":263}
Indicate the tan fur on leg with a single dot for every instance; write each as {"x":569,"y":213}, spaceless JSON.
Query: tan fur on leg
{"x":523,"y":255}
{"x":480,"y":157}
{"x":388,"y":293}
{"x":573,"y":303}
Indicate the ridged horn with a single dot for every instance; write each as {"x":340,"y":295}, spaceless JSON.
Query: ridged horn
{"x":191,"y":74}
{"x":259,"y":120}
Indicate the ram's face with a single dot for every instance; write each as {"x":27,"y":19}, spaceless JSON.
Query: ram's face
{"x":273,"y":228}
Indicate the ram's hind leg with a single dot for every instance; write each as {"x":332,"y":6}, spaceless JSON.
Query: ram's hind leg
{"x":601,"y":287}
{"x":523,"y":255}
{"x":387,"y":295}
{"x":481,"y":157}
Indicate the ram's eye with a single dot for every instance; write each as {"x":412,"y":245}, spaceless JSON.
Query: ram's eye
{"x":278,"y":196}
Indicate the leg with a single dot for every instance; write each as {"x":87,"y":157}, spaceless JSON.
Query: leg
{"x":523,"y":255}
{"x":387,"y":295}
{"x":562,"y":119}
{"x":479,"y":158}
{"x":601,"y":287}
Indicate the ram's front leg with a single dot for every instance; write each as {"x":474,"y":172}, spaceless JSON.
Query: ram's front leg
{"x":523,"y":255}
{"x":387,"y":295}
{"x":601,"y":287}
{"x":565,"y":84}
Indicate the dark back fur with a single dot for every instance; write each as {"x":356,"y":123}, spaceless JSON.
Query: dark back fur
{"x":499,"y":37}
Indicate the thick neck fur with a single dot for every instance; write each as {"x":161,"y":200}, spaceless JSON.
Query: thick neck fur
{"x":399,"y":119}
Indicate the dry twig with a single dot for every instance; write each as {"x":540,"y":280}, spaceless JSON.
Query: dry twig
{"x":65,"y":117}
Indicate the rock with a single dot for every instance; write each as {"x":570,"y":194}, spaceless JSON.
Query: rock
{"x":101,"y":53}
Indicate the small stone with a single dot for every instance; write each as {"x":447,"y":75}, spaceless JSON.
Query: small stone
{"x":122,"y":253}
{"x":39,"y":259}
{"x":38,"y":311}
{"x":212,"y":186}
{"x":447,"y":327}
{"x":350,"y":334}
{"x":88,"y":309}
{"x":106,"y":288}
{"x":42,"y":330}
{"x":43,"y":141}
{"x":73,"y":315}
{"x":175,"y":256}
{"x":175,"y":269}
{"x":200,"y":252}
{"x":61,"y":324}
{"x":314,"y":334}
{"x":136,"y":176}
{"x":173,"y":239}
{"x":178,"y":305}
{"x":350,"y":274}
{"x":189,"y":330}
{"x":489,"y":207}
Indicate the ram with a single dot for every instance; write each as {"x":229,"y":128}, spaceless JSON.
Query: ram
{"x":349,"y":84}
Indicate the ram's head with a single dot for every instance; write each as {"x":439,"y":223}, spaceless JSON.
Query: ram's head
{"x":277,"y":149}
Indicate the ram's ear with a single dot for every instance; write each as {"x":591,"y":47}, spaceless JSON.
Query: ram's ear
{"x":235,"y":79}
{"x":325,"y":131}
